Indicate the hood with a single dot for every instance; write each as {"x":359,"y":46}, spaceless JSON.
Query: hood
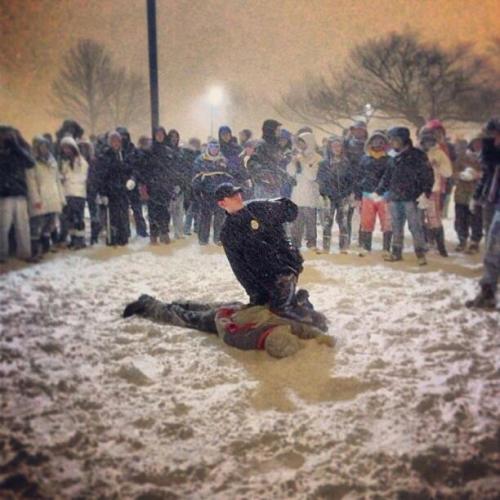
{"x":223,"y":129}
{"x":309,"y":139}
{"x":37,"y":142}
{"x":170,"y":135}
{"x":156,"y":129}
{"x":69,"y":141}
{"x":375,"y":133}
{"x":434,"y":124}
{"x":125,"y":136}
{"x":269,"y":131}
{"x":70,"y":127}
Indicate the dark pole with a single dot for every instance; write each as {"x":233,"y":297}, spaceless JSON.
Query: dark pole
{"x":153,"y":64}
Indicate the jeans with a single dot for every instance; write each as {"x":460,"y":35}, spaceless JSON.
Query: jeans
{"x":401,"y":211}
{"x":14,"y":211}
{"x":339,"y":211}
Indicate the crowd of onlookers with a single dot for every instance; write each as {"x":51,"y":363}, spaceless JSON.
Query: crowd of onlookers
{"x":350,"y":180}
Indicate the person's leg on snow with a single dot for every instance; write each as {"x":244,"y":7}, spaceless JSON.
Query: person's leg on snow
{"x":398,"y":217}
{"x":486,"y":298}
{"x":414,"y":224}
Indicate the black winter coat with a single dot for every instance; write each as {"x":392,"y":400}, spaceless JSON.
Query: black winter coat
{"x":336,"y":179}
{"x":371,"y":171}
{"x":490,"y":162}
{"x":257,"y":248}
{"x":265,"y":165}
{"x":155,"y":173}
{"x":14,"y":160}
{"x":112,"y":174}
{"x":408,"y":176}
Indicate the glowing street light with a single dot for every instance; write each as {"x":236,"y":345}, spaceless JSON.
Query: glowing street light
{"x":215,"y":97}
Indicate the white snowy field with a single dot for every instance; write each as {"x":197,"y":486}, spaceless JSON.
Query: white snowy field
{"x":95,"y":406}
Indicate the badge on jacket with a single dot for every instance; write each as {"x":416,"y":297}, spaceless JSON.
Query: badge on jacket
{"x":254,"y":224}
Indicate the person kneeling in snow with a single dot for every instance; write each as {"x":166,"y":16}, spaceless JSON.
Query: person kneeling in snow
{"x":244,"y":327}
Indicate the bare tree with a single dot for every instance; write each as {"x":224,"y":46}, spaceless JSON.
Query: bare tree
{"x":400,"y":78}
{"x":128,"y":98}
{"x":85,"y":84}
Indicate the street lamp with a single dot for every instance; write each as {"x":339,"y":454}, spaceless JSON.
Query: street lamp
{"x":215,"y":96}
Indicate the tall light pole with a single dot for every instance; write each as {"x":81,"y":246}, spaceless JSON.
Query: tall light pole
{"x":153,"y":64}
{"x":215,"y":96}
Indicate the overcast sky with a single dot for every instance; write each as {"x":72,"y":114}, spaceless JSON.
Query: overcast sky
{"x":257,"y":47}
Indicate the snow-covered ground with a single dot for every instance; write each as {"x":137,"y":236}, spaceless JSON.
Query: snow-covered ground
{"x":95,"y":406}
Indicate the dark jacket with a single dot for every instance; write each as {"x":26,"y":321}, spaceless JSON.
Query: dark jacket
{"x":408,"y":176}
{"x":231,"y":151}
{"x":490,"y":163}
{"x":371,"y":171}
{"x":154,"y":167}
{"x":209,"y":172}
{"x":112,"y":173}
{"x":14,"y":160}
{"x":265,"y":165}
{"x":257,"y":248}
{"x":335,"y":178}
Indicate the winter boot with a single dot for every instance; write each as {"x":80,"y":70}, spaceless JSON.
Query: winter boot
{"x":365,"y":242}
{"x":36,"y":251}
{"x":439,"y":236}
{"x":79,"y":243}
{"x":421,"y":260}
{"x":72,"y":242}
{"x":45,"y":243}
{"x":473,"y":248}
{"x":153,"y":239}
{"x":165,"y":238}
{"x":484,"y":300}
{"x":387,"y":243}
{"x":396,"y":255}
{"x":462,"y":245}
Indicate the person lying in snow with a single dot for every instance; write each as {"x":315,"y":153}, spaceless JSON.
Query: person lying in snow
{"x":245,"y":327}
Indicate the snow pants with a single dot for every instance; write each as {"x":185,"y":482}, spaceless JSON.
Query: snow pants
{"x":468,"y":223}
{"x":370,"y":210}
{"x":305,"y":222}
{"x":401,"y":211}
{"x":14,"y":212}
{"x":492,"y":255}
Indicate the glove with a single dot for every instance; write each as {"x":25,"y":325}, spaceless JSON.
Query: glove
{"x":104,"y":200}
{"x":423,"y":202}
{"x":177,"y":189}
{"x":474,"y":205}
{"x":467,"y":175}
{"x":130,"y":184}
